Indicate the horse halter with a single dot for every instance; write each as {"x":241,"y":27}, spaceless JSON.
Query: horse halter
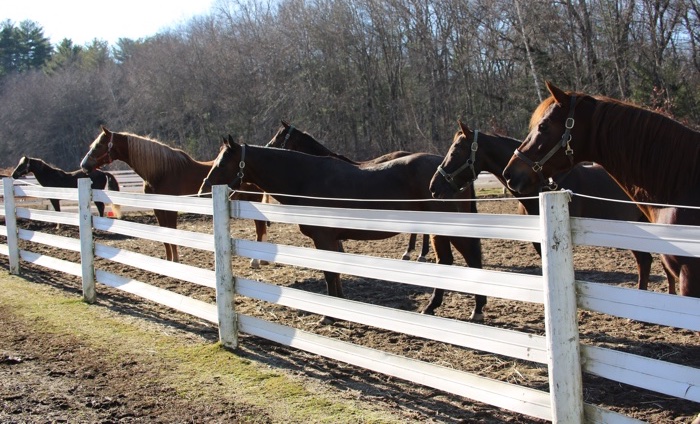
{"x":108,"y":153}
{"x":450,"y":177}
{"x":564,"y":142}
{"x":290,"y":129}
{"x":239,"y":175}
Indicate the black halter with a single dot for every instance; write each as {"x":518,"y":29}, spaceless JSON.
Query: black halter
{"x":239,"y":176}
{"x":450,"y":177}
{"x":290,"y":129}
{"x":564,"y":142}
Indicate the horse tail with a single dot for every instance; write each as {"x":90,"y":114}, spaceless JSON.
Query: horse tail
{"x":113,"y":184}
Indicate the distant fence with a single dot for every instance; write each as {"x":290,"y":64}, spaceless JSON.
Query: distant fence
{"x":561,"y":295}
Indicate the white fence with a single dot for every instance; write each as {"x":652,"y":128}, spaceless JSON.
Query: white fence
{"x":559,"y":349}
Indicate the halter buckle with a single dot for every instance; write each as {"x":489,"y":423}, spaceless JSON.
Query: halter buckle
{"x":569,"y":124}
{"x":537,"y":167}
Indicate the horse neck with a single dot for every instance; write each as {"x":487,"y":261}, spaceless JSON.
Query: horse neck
{"x":654,"y":159}
{"x":152,"y":160}
{"x":264,"y":165}
{"x":309,"y":145}
{"x":43,"y":172}
{"x":496,"y":152}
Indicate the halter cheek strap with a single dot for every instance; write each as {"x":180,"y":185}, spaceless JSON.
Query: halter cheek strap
{"x":108,"y":153}
{"x":450,"y":177}
{"x":286,"y":137}
{"x":564,"y":142}
{"x":241,"y":166}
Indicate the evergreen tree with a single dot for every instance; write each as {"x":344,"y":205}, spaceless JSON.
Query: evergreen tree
{"x":23,"y":47}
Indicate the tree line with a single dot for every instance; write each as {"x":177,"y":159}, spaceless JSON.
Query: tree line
{"x":364,"y":76}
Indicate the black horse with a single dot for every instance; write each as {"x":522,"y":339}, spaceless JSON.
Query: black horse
{"x":49,"y":176}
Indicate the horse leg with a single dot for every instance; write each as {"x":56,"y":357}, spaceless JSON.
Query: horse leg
{"x":260,"y":235}
{"x":100,"y":208}
{"x":411,"y":247}
{"x":643,"y":268}
{"x":443,"y":252}
{"x":689,"y":277}
{"x":470,"y":249}
{"x":168,"y":219}
{"x":333,"y":284}
{"x":425,"y":248}
{"x":671,"y":281}
{"x":57,"y":207}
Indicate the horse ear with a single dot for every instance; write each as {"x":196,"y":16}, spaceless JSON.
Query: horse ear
{"x":285,"y":123}
{"x":230,"y":141}
{"x":463,"y":127}
{"x":559,"y":95}
{"x":104,"y":129}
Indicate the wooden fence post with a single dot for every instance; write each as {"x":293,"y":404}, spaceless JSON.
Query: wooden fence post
{"x":225,"y":281}
{"x":561,"y":318}
{"x":87,"y":245}
{"x":11,"y":224}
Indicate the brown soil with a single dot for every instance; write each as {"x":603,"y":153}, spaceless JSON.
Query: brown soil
{"x":412,"y":403}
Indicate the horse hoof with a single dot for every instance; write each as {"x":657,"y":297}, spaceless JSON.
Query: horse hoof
{"x":264,"y":263}
{"x":254,"y":264}
{"x":327,"y":321}
{"x":406,"y":257}
{"x":476,"y":317}
{"x":427,"y":311}
{"x":421,"y":259}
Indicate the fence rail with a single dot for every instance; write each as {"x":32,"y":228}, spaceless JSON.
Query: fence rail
{"x":566,"y":361}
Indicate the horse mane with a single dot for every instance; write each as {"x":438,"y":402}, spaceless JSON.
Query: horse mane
{"x":660,"y":153}
{"x":651,"y":154}
{"x":151,"y":158}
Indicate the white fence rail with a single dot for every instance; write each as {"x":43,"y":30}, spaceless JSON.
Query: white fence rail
{"x":556,"y":289}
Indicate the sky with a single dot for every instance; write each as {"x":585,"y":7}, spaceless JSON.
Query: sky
{"x":84,"y":20}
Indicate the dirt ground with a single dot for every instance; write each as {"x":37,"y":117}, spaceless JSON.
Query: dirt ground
{"x":414,"y":403}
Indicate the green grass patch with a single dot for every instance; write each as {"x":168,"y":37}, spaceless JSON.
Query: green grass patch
{"x":195,"y":370}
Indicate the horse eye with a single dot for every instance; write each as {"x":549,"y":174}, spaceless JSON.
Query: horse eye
{"x":542,"y":127}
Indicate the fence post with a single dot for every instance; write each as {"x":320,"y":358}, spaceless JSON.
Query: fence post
{"x":87,"y":245}
{"x":225,"y":281}
{"x":561,"y":318}
{"x":11,"y":224}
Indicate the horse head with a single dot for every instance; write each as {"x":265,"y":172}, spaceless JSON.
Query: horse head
{"x":548,"y":148}
{"x":227,"y":168}
{"x":23,"y":168}
{"x":458,"y":171}
{"x":285,"y":138}
{"x":102,"y":151}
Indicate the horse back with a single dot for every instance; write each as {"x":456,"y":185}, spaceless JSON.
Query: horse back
{"x":593,"y":180}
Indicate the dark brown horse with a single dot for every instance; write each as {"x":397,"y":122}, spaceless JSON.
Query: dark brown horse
{"x":654,"y":159}
{"x":491,"y":153}
{"x":291,"y":138}
{"x":280,"y":171}
{"x":51,"y":176}
{"x":164,"y":170}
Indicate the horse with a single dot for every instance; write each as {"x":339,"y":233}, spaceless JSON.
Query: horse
{"x":51,"y":176}
{"x":164,"y":170}
{"x":280,"y":171}
{"x":651,"y":156}
{"x":291,"y":138}
{"x":473,"y":152}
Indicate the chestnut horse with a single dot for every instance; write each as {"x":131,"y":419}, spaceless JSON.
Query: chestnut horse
{"x":291,"y":138}
{"x":164,"y":170}
{"x":654,"y":159}
{"x":280,"y":171}
{"x":51,"y":176}
{"x":473,"y":152}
